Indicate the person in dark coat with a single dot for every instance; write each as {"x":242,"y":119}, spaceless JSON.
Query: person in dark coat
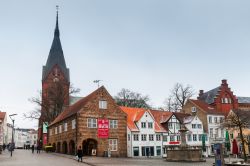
{"x":32,"y":148}
{"x":79,"y":153}
{"x":38,"y":149}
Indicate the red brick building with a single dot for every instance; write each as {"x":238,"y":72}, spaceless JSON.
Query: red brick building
{"x":223,"y":99}
{"x":95,"y":122}
{"x":54,"y":73}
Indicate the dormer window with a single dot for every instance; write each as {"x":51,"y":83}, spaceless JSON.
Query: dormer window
{"x":102,"y":104}
{"x":194,"y":109}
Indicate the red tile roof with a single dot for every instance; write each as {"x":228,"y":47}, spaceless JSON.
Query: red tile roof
{"x":206,"y":107}
{"x":134,"y":115}
{"x":180,"y":116}
{"x":160,"y":117}
{"x":2,"y":115}
{"x":75,"y":107}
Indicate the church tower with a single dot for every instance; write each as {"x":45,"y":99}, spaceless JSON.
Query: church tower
{"x":55,"y":85}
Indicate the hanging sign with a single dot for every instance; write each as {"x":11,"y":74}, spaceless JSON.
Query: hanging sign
{"x":103,"y":128}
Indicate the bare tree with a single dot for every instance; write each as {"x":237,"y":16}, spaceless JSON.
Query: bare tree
{"x":178,"y":97}
{"x":239,"y":120}
{"x":131,"y":99}
{"x":51,"y":101}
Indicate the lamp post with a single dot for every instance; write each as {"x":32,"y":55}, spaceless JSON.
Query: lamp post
{"x":12,"y":139}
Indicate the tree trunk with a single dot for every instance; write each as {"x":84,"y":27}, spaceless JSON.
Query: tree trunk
{"x":243,"y":144}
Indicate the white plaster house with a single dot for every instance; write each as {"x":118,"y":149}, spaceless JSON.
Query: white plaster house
{"x":215,"y":130}
{"x":144,"y":133}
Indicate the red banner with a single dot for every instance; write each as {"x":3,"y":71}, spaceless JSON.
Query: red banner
{"x":174,"y":142}
{"x":44,"y":139}
{"x":103,"y":128}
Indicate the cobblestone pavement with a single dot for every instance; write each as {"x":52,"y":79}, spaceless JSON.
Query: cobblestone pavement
{"x":26,"y":158}
{"x":103,"y":161}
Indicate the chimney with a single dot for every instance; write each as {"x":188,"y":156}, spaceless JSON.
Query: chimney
{"x":201,"y":93}
{"x":224,"y":82}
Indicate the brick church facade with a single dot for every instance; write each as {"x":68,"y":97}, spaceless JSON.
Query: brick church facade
{"x":223,"y":99}
{"x":95,"y":122}
{"x":54,"y":73}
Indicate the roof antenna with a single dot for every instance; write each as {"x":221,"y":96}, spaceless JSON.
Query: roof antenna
{"x":97,"y":82}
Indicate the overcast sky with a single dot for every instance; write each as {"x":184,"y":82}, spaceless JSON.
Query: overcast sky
{"x":146,"y":46}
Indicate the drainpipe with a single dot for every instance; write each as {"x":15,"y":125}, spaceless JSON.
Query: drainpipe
{"x":76,"y":128}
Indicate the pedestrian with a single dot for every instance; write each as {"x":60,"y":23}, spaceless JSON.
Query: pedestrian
{"x":4,"y":146}
{"x":38,"y":149}
{"x":32,"y":148}
{"x":79,"y":153}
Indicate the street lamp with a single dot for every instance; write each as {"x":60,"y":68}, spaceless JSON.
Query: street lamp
{"x":12,"y":139}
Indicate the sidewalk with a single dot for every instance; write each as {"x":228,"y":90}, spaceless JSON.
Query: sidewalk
{"x":105,"y":161}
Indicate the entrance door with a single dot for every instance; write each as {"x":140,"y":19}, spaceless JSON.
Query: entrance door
{"x":89,"y":145}
{"x":147,"y":151}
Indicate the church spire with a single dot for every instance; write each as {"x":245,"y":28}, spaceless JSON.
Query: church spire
{"x":57,"y":33}
{"x":56,"y":56}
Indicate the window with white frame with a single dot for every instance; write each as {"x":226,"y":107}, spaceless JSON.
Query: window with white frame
{"x":60,"y":129}
{"x":178,"y":138}
{"x":73,"y":123}
{"x":143,"y":124}
{"x":113,"y":124}
{"x":221,"y":119}
{"x":128,"y":137}
{"x":222,"y":133}
{"x":193,"y":126}
{"x":55,"y":130}
{"x":211,"y":132}
{"x":200,"y":137}
{"x":193,"y":109}
{"x":170,"y":125}
{"x":165,"y":138}
{"x":199,"y":126}
{"x":172,"y":138}
{"x":215,"y":120}
{"x":65,"y":126}
{"x":189,"y":137}
{"x":113,"y":144}
{"x":150,"y":125}
{"x":194,"y":137}
{"x":210,"y":119}
{"x":136,"y":137}
{"x":158,"y":150}
{"x":92,"y":123}
{"x":144,"y":137}
{"x":158,"y":137}
{"x":151,"y":137}
{"x":177,"y":126}
{"x":102,"y":104}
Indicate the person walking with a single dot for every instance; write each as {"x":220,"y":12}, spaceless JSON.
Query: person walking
{"x":32,"y":148}
{"x":38,"y":149}
{"x":4,"y":146}
{"x":79,"y":153}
